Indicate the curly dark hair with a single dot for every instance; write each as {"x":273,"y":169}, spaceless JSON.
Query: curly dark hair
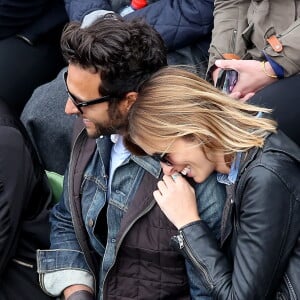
{"x":124,"y":52}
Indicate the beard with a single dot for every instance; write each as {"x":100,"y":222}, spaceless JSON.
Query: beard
{"x":116,"y":125}
{"x":99,"y":130}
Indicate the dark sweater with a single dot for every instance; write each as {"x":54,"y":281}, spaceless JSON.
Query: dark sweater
{"x":32,"y":18}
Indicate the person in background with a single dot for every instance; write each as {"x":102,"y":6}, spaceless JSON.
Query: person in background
{"x":258,"y":39}
{"x":185,"y":27}
{"x":109,"y":240}
{"x":25,"y":202}
{"x":29,"y":47}
{"x":196,"y":129}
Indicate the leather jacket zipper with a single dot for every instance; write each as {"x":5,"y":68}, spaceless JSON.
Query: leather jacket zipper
{"x":290,"y":288}
{"x":184,"y":247}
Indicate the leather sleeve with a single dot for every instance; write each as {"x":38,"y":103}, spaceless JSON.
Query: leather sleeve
{"x":262,"y":231}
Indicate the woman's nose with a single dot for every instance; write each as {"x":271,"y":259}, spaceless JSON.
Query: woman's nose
{"x":167,"y":169}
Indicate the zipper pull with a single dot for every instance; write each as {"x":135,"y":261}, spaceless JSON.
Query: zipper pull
{"x":180,"y":240}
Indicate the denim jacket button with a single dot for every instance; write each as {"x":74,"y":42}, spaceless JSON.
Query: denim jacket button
{"x":91,"y":223}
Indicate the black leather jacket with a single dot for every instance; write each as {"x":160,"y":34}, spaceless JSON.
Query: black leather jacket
{"x":25,"y":203}
{"x":260,"y":247}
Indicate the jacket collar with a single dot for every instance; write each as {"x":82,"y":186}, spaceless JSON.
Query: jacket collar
{"x":104,"y":145}
{"x":275,"y":142}
{"x":149,"y":164}
{"x":279,"y":142}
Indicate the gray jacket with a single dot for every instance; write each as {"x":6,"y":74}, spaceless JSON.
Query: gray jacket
{"x":243,"y":27}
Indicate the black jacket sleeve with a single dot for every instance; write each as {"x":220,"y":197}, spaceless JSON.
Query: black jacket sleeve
{"x":16,"y":173}
{"x":262,"y":247}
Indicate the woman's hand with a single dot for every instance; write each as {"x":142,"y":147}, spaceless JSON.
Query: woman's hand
{"x":251,"y":79}
{"x":177,"y":200}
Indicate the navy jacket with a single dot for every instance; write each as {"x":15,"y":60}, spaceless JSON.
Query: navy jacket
{"x":180,"y":22}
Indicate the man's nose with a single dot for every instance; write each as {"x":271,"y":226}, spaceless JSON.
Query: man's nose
{"x":70,"y":108}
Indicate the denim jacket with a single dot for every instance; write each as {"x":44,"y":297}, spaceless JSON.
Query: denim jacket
{"x":75,"y":242}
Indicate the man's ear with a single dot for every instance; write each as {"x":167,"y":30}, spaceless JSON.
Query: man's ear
{"x":129,"y":100}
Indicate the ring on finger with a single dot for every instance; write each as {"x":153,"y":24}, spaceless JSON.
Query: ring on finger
{"x":175,"y":175}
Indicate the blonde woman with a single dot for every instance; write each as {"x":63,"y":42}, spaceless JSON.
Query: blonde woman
{"x":194,"y":130}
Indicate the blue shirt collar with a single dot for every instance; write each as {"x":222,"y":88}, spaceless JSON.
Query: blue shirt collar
{"x":230,"y":178}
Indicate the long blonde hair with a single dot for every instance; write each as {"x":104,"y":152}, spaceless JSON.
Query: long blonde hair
{"x":176,"y":103}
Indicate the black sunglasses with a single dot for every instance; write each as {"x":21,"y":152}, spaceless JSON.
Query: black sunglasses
{"x":162,"y":157}
{"x":78,"y":103}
